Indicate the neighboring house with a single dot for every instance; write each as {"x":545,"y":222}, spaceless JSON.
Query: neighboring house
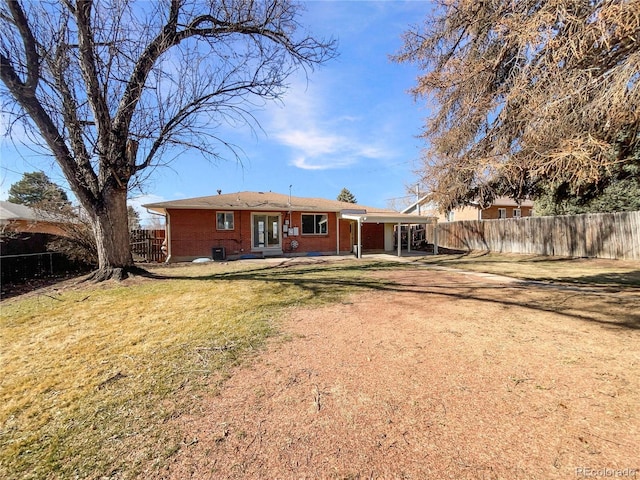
{"x":26,"y":235}
{"x":422,"y":206}
{"x":502,"y":207}
{"x":258,"y":224}
{"x":22,"y":219}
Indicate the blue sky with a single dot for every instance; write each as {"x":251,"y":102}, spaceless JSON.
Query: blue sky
{"x":350,"y":123}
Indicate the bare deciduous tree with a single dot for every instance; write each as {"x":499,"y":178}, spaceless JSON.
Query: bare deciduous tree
{"x":526,"y":92}
{"x":77,"y":241}
{"x":109,"y":86}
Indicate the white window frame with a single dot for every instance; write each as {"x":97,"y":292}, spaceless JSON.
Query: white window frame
{"x":315,"y":223}
{"x":225,"y":222}
{"x":517,"y":213}
{"x":502,"y":213}
{"x":276,"y":228}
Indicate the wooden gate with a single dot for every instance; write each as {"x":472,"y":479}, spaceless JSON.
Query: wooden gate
{"x":146,"y":245}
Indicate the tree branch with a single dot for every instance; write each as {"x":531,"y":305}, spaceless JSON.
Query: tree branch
{"x":30,"y":46}
{"x":160,"y":44}
{"x":43,"y":121}
{"x":86,"y":43}
{"x":72,"y":122}
{"x":191,"y":109}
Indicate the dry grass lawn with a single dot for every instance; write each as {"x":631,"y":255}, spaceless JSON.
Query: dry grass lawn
{"x":579,"y":271}
{"x":406,"y":370}
{"x":91,"y":374}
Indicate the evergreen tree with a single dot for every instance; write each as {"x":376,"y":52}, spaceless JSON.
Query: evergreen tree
{"x":619,"y":192}
{"x":36,"y":189}
{"x":346,"y":196}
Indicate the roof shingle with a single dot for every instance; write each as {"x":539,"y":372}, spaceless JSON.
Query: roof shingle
{"x":263,"y":201}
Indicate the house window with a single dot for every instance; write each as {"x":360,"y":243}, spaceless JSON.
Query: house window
{"x":502,"y":213}
{"x":224,"y":220}
{"x":517,"y":213}
{"x":451,"y":216}
{"x":316,"y":224}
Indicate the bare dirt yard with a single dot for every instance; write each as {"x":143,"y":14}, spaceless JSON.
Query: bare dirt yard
{"x":444,"y":374}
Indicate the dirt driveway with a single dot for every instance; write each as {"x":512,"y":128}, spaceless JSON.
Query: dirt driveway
{"x":446,"y":375}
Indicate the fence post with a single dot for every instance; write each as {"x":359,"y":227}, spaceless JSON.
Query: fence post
{"x":435,"y":239}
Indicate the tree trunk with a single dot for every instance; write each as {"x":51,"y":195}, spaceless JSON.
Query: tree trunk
{"x":110,"y":227}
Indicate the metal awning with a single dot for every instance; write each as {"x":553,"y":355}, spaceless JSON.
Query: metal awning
{"x":399,"y":219}
{"x":385,"y":217}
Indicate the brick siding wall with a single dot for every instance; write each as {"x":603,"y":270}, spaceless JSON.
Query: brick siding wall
{"x":194,"y":234}
{"x":491,"y":213}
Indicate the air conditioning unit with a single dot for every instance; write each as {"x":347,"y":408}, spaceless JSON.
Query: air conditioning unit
{"x":218,"y":253}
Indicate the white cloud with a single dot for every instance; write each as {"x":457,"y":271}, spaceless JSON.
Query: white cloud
{"x":320,"y":134}
{"x":310,"y":163}
{"x":312,"y":143}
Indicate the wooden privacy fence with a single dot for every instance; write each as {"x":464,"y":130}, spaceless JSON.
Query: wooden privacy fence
{"x":146,"y":245}
{"x":602,"y":235}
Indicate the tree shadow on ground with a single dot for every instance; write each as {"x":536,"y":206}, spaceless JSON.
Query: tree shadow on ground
{"x":485,"y":262}
{"x":614,"y":279}
{"x":604,"y":306}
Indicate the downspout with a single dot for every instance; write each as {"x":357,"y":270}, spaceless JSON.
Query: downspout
{"x":167,"y":235}
{"x":435,"y":238}
{"x":166,"y":230}
{"x":337,"y":234}
{"x":359,"y":237}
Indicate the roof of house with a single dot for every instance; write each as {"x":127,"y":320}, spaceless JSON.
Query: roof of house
{"x":429,"y":206}
{"x":13,"y":211}
{"x":263,"y":201}
{"x":497,"y":202}
{"x":386,"y":217}
{"x":510,"y":202}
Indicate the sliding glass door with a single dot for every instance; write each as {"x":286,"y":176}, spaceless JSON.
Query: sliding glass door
{"x":266,"y":231}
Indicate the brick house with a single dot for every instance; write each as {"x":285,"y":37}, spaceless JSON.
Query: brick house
{"x":22,"y":219}
{"x":502,"y":207}
{"x":259,"y":224}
